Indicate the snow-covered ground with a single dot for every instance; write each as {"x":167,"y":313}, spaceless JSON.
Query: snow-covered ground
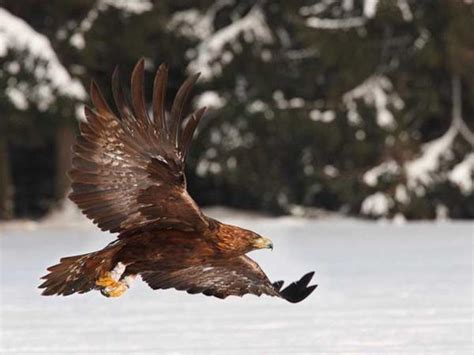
{"x":383,"y":289}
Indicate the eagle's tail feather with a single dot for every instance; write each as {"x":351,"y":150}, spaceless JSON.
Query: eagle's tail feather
{"x":77,"y":274}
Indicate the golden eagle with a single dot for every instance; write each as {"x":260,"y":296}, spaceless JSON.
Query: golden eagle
{"x":128,"y":177}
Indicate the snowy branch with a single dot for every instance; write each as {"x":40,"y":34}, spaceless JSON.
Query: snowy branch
{"x":252,"y":26}
{"x":388,"y":167}
{"x":463,"y":174}
{"x":210,"y":99}
{"x":420,"y":170}
{"x":376,"y":205}
{"x":316,"y":9}
{"x":127,"y":6}
{"x":335,"y":24}
{"x":369,"y":11}
{"x":376,"y":91}
{"x":192,"y":23}
{"x":17,"y":35}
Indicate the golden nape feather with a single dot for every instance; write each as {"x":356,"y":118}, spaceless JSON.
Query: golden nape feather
{"x":128,"y":177}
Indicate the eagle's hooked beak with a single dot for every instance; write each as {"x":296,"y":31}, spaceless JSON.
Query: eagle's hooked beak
{"x":263,"y":243}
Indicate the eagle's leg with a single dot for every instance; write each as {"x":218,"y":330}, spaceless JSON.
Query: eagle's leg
{"x":112,"y":284}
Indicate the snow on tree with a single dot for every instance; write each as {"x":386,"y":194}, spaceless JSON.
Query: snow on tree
{"x":335,"y":104}
{"x":38,"y":58}
{"x":426,"y":168}
{"x":376,"y":91}
{"x":436,"y":163}
{"x":127,"y":6}
{"x":216,"y":50}
{"x":39,"y":93}
{"x":347,"y":21}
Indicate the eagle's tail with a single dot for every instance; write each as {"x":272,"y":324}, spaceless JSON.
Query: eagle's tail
{"x":78,"y":274}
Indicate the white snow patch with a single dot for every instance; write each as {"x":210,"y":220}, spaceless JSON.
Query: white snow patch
{"x":17,"y":35}
{"x":388,"y":167}
{"x":77,"y":40}
{"x":12,"y":67}
{"x":315,"y":9}
{"x":335,"y":24}
{"x":233,"y":138}
{"x":296,"y":102}
{"x":463,"y":174}
{"x":348,"y":5}
{"x":17,"y":98}
{"x":405,"y":9}
{"x":206,"y":167}
{"x":331,"y":171}
{"x":283,"y":103}
{"x":401,"y":194}
{"x":258,"y":106}
{"x":377,"y":204}
{"x":399,"y":219}
{"x":442,"y":212}
{"x":127,"y":6}
{"x":419,"y":171}
{"x":252,"y":26}
{"x":322,"y":116}
{"x":210,"y":99}
{"x":370,"y":8}
{"x":377,"y":294}
{"x":369,"y":11}
{"x":192,"y":23}
{"x":376,"y":91}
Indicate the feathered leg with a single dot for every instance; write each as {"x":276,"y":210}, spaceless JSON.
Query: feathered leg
{"x":111,"y":283}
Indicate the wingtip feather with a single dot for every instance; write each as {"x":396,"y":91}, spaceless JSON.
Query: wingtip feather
{"x":299,"y":290}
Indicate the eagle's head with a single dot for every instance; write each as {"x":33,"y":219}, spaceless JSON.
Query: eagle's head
{"x":243,"y":240}
{"x":260,"y":242}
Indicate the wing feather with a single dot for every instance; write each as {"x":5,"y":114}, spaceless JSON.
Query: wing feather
{"x":159,"y":90}
{"x":178,"y":105}
{"x":233,"y":277}
{"x":128,"y":170}
{"x":98,"y":100}
{"x":188,"y":130}
{"x":138,"y":95}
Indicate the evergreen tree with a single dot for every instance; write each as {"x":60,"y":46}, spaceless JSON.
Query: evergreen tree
{"x":363,"y":107}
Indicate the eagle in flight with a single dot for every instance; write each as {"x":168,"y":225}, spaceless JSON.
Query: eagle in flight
{"x":128,"y":178}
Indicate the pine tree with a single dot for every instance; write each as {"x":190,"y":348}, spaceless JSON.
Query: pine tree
{"x":363,"y":107}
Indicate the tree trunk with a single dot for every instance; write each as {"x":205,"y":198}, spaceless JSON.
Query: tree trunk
{"x":6,"y":186}
{"x":64,"y":142}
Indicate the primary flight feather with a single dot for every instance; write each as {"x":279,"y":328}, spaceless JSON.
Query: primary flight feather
{"x":128,"y":177}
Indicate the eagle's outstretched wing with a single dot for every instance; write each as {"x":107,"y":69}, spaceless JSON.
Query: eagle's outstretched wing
{"x":234,"y":277}
{"x":128,"y":170}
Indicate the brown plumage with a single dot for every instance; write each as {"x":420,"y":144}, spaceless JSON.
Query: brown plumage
{"x":128,"y":178}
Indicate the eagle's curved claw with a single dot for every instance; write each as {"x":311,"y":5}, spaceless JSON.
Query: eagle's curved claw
{"x":106,"y":280}
{"x":110,"y":287}
{"x":116,"y":290}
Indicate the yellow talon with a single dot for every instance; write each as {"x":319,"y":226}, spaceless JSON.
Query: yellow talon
{"x":110,"y":287}
{"x":115,"y":291}
{"x":106,"y":281}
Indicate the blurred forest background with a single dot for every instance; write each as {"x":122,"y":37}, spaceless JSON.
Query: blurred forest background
{"x":363,"y":107}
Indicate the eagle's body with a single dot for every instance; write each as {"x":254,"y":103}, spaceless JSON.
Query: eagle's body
{"x":151,"y":250}
{"x":128,"y":177}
